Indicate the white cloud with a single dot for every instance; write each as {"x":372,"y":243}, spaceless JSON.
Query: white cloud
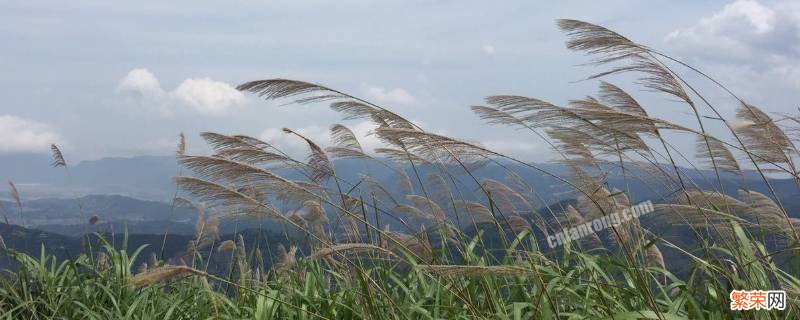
{"x":742,"y":29}
{"x":363,"y":131}
{"x":388,"y":96}
{"x":208,"y":96}
{"x":141,"y":82}
{"x":202,"y":95}
{"x":23,"y":135}
{"x":752,"y":46}
{"x":488,"y":49}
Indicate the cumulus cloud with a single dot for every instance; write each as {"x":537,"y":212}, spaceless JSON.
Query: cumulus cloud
{"x":24,"y":135}
{"x":388,"y":96}
{"x":208,"y":96}
{"x":141,"y":82}
{"x":488,"y":49}
{"x":744,"y":29}
{"x":746,"y":37}
{"x":202,"y":95}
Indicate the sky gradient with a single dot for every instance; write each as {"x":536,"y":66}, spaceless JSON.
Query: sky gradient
{"x":125,"y":78}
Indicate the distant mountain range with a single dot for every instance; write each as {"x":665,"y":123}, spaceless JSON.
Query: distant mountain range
{"x":147,"y":177}
{"x":107,"y":208}
{"x":134,"y":193}
{"x":31,"y":242}
{"x":150,"y":178}
{"x":115,"y":214}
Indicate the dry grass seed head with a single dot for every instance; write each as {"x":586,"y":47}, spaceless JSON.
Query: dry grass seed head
{"x":762,"y":136}
{"x":345,"y":144}
{"x":161,"y":274}
{"x":321,"y":167}
{"x":58,"y":157}
{"x":433,"y":210}
{"x":597,"y":40}
{"x":181,"y":145}
{"x":15,"y":194}
{"x":713,"y":152}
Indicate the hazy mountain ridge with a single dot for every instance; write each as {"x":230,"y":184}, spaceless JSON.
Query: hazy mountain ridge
{"x":106,"y":207}
{"x":150,"y":177}
{"x":146,"y":177}
{"x":31,"y":241}
{"x":143,"y":177}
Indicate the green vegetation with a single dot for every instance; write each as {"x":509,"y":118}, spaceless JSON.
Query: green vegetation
{"x":438,"y":250}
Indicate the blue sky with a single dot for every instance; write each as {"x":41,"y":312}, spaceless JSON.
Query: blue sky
{"x":117,"y":78}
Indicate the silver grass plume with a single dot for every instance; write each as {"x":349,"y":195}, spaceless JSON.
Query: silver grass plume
{"x":58,"y":157}
{"x":434,"y":211}
{"x":353,"y":109}
{"x":181,"y":145}
{"x":404,"y":182}
{"x":162,"y":274}
{"x":182,"y":202}
{"x":15,"y":195}
{"x":347,"y":248}
{"x":611,"y":46}
{"x":655,"y":77}
{"x":572,"y":146}
{"x":594,"y":121}
{"x":516,"y":183}
{"x":621,"y":126}
{"x":768,"y":215}
{"x":316,"y":218}
{"x":296,"y":219}
{"x":345,"y":143}
{"x":764,"y":205}
{"x":506,"y":197}
{"x":478,"y":213}
{"x":321,"y":166}
{"x":241,"y":258}
{"x":654,"y":257}
{"x":439,"y":187}
{"x":285,"y":88}
{"x":226,"y":198}
{"x":762,"y":136}
{"x":518,"y":224}
{"x":404,"y":210}
{"x":497,"y":116}
{"x":597,"y":40}
{"x":401,"y":157}
{"x":314,"y":213}
{"x":620,"y":100}
{"x":436,"y":148}
{"x":206,"y":230}
{"x":221,"y":170}
{"x":572,"y":218}
{"x":286,"y":258}
{"x":713,"y":152}
{"x":306,"y":92}
{"x":376,"y":187}
{"x":417,"y":244}
{"x":226,"y":246}
{"x":245,"y":149}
